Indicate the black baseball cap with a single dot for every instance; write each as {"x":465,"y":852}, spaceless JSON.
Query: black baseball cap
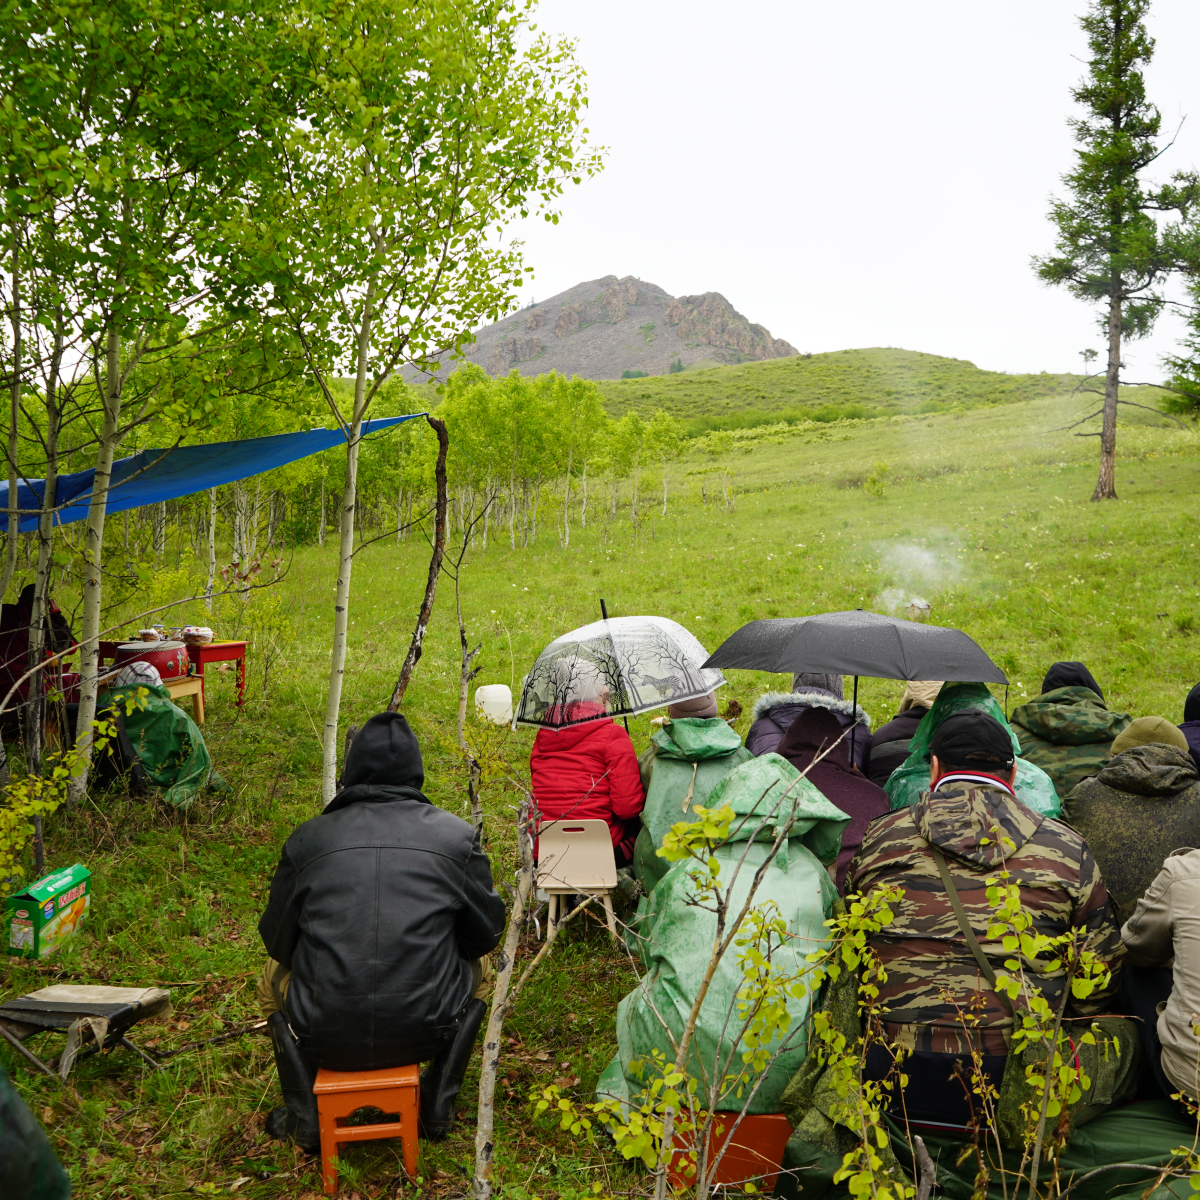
{"x":973,"y":738}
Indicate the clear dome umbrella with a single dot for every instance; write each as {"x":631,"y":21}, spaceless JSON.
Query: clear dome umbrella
{"x":616,"y":667}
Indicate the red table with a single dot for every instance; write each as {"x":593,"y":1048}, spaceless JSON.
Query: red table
{"x":199,"y":655}
{"x":216,"y":652}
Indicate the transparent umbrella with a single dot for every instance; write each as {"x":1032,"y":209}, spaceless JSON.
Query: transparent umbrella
{"x":613,"y":668}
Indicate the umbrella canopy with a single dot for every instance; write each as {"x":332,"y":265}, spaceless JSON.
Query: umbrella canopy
{"x":857,"y":643}
{"x":613,"y":668}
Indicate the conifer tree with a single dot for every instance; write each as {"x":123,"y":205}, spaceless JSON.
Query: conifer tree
{"x":1111,"y":249}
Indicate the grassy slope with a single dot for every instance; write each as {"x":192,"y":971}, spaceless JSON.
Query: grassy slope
{"x":875,"y":381}
{"x":986,"y":515}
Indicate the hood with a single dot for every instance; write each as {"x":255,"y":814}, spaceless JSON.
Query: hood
{"x":961,"y":819}
{"x":374,"y":793}
{"x":569,"y":736}
{"x":1070,"y":716}
{"x":816,"y":731}
{"x":384,"y":751}
{"x":769,"y":785}
{"x":1070,"y":674}
{"x":1191,"y":706}
{"x":811,"y":697}
{"x":694,"y":739}
{"x":1154,"y":769}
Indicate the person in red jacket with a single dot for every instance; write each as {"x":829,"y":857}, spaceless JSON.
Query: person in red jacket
{"x":588,"y":770}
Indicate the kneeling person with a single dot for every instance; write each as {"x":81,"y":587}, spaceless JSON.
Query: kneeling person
{"x":380,"y":911}
{"x":943,"y":851}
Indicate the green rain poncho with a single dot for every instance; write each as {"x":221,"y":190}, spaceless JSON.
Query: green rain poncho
{"x":687,"y":759}
{"x":1033,"y":787}
{"x":167,"y":742}
{"x":677,"y":938}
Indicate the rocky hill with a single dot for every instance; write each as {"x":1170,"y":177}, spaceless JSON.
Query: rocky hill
{"x":605,"y":327}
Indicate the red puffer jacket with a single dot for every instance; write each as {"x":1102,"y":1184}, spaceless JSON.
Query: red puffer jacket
{"x":589,"y":772}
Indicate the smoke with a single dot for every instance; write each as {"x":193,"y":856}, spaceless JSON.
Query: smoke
{"x":912,"y":571}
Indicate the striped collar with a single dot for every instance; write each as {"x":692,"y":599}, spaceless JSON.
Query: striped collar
{"x":975,"y":778}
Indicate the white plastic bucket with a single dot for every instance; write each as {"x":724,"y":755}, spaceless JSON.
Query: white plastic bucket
{"x":493,"y":702}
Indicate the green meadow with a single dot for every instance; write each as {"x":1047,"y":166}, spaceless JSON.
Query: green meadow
{"x":982,"y":510}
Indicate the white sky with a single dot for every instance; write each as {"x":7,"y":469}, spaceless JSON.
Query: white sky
{"x":863,"y":173}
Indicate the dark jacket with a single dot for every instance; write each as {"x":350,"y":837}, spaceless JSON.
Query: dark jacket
{"x":774,"y":712}
{"x":1191,"y":731}
{"x":378,"y":907}
{"x":1068,"y":732}
{"x":810,"y":736}
{"x":887,"y":747}
{"x":1138,"y":809}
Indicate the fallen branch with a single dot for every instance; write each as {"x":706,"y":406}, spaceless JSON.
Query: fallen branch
{"x":228,"y":1035}
{"x":435,"y":567}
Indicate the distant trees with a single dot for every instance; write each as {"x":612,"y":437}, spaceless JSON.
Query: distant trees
{"x":1112,"y":250}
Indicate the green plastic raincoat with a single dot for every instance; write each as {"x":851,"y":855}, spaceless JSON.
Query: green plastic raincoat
{"x":686,"y":759}
{"x":167,"y":741}
{"x":1033,"y":786}
{"x":677,"y":941}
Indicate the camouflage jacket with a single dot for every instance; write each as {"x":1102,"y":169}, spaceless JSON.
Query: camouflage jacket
{"x":1068,"y":733}
{"x":934,"y":981}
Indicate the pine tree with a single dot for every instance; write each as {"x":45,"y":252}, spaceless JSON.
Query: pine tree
{"x":1111,"y":250}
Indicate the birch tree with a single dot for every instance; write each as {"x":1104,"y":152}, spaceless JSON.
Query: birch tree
{"x":434,"y":126}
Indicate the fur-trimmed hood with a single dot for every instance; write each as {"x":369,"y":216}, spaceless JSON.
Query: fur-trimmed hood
{"x":813,"y":698}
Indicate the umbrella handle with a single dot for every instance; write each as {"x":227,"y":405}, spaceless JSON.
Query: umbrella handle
{"x":603,"y":609}
{"x":853,"y":721}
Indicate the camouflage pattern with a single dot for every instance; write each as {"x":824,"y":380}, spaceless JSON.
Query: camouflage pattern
{"x":1068,"y":733}
{"x":923,"y":949}
{"x":1139,"y":808}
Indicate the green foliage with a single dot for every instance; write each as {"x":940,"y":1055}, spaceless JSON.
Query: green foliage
{"x":676,"y":367}
{"x":29,"y":796}
{"x":628,"y":374}
{"x":876,"y":482}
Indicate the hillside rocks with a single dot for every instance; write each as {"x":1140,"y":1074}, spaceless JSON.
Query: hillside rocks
{"x":712,"y":321}
{"x":607,"y":326}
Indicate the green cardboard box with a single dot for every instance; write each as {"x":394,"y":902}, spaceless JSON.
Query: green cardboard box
{"x":48,"y":912}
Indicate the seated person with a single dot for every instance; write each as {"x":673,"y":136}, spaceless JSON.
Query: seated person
{"x":887,"y":747}
{"x":587,"y":770}
{"x":380,"y":911}
{"x":1143,"y":805}
{"x":1068,"y":730}
{"x":1161,"y":983}
{"x":1191,"y":723}
{"x":692,"y":752}
{"x":817,"y":746}
{"x":933,"y":974}
{"x":774,"y":711}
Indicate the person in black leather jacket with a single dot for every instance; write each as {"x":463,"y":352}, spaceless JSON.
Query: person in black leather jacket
{"x":887,"y":747}
{"x":380,"y":913}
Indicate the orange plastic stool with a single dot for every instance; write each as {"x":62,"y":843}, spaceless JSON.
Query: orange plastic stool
{"x":340,"y":1093}
{"x":756,"y":1151}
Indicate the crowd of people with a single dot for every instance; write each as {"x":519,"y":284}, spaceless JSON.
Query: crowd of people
{"x":382,"y":910}
{"x":1117,"y":864}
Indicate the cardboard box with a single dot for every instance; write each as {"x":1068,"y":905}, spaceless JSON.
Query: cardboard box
{"x":48,"y":912}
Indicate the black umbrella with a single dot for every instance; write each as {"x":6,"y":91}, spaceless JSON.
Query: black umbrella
{"x":856,"y":643}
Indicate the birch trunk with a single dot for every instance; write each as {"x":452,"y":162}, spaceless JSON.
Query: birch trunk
{"x":93,"y":547}
{"x":14,"y":501}
{"x":664,"y":512}
{"x":1106,"y":485}
{"x":212,"y":547}
{"x":481,"y":1184}
{"x":399,"y":515}
{"x":583,"y":498}
{"x":567,"y":503}
{"x":341,"y":603}
{"x":255,"y":515}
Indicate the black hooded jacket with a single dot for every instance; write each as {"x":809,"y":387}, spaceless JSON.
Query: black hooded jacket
{"x":379,"y":907}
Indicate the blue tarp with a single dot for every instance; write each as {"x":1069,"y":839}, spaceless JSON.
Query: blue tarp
{"x":154,"y":475}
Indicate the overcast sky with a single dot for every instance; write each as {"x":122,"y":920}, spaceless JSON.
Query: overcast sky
{"x":861,"y":173}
